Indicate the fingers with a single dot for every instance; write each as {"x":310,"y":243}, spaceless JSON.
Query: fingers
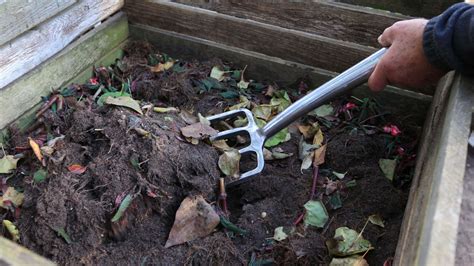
{"x":378,"y":80}
{"x":386,"y":39}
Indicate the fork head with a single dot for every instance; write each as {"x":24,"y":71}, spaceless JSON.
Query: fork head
{"x":257,"y":139}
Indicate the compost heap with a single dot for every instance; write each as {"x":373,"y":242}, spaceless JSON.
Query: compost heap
{"x":99,"y":176}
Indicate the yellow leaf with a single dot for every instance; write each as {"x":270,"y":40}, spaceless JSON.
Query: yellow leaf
{"x":165,"y":109}
{"x":7,"y":164}
{"x":13,"y":196}
{"x":318,"y":138}
{"x":11,"y":228}
{"x":36,"y":149}
{"x":162,"y":67}
{"x":217,"y":73}
{"x":319,"y":155}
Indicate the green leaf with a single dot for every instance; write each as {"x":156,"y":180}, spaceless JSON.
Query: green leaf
{"x":124,"y":101}
{"x":316,"y":213}
{"x":281,"y":101}
{"x":351,"y":183}
{"x":376,"y":219}
{"x":323,"y":110}
{"x":122,"y":208}
{"x":104,"y":96}
{"x":335,"y":201}
{"x":40,"y":175}
{"x":243,"y":85}
{"x":229,"y":163}
{"x":61,"y":232}
{"x":280,"y":137}
{"x":282,"y":232}
{"x":244,"y":103}
{"x":347,"y":242}
{"x":388,"y":167}
{"x":349,"y":261}
{"x":8,"y":164}
{"x":230,"y":226}
{"x":339,"y":175}
{"x":217,"y":73}
{"x":263,"y":111}
{"x":229,"y":94}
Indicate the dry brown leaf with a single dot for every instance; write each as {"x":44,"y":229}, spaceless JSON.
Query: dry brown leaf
{"x":318,"y":138}
{"x":198,"y":131}
{"x":195,"y":218}
{"x":319,"y":155}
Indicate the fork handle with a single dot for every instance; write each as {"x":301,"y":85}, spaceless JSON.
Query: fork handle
{"x":342,"y":83}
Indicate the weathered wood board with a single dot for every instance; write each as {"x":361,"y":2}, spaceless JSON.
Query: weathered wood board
{"x":14,"y":254}
{"x":429,"y":229}
{"x":25,"y":93}
{"x":413,"y":106}
{"x":21,"y":15}
{"x":26,"y":52}
{"x":416,"y":8}
{"x":334,"y":20}
{"x":293,"y":45}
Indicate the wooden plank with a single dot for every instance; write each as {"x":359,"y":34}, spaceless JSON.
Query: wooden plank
{"x":293,"y":45}
{"x":333,"y":20}
{"x":429,"y":229}
{"x":417,"y":8}
{"x":21,"y":15}
{"x":14,"y":254}
{"x":26,"y":52}
{"x":410,"y":105}
{"x":25,"y":93}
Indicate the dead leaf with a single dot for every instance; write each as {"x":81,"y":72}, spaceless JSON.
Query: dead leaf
{"x":195,"y":218}
{"x":319,"y":155}
{"x":349,"y":261}
{"x":36,"y":149}
{"x":198,"y":131}
{"x":221,"y":145}
{"x":11,"y":196}
{"x":217,"y":73}
{"x":124,"y":101}
{"x":162,"y":67}
{"x":244,"y":103}
{"x":229,"y":162}
{"x":388,"y":167}
{"x":203,"y":120}
{"x":376,"y":219}
{"x":263,"y":111}
{"x":306,"y":153}
{"x":8,"y":164}
{"x":282,"y":232}
{"x":76,"y":169}
{"x":188,"y":117}
{"x":318,"y":138}
{"x":165,"y":109}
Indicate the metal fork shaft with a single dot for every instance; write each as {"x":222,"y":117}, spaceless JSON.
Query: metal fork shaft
{"x":345,"y":81}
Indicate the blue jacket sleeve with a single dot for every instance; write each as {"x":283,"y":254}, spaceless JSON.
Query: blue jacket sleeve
{"x":448,"y":39}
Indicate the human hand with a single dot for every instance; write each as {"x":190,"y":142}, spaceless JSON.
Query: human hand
{"x":405,"y":63}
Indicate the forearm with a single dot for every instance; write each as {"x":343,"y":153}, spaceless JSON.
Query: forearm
{"x":448,"y":39}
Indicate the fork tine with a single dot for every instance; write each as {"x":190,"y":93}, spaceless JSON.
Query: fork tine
{"x":257,"y":170}
{"x":225,"y":115}
{"x":228,"y":133}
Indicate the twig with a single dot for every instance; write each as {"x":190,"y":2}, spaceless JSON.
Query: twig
{"x":315,"y":181}
{"x":299,"y":219}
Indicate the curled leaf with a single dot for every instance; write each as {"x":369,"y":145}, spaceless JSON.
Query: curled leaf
{"x":198,"y":131}
{"x":165,"y":109}
{"x":36,"y":149}
{"x":376,"y":219}
{"x":76,"y":169}
{"x":122,"y":208}
{"x":195,"y":218}
{"x":11,"y":228}
{"x":229,"y":162}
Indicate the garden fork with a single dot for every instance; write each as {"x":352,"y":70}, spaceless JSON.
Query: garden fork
{"x":345,"y":81}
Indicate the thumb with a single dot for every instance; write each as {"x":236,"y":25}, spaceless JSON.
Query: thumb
{"x":378,"y":79}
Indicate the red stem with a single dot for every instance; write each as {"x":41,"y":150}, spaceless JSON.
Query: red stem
{"x":315,"y":181}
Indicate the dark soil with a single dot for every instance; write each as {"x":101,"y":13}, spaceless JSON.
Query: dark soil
{"x":103,"y":140}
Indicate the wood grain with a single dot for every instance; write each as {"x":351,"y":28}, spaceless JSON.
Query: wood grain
{"x":416,"y":8}
{"x":21,"y":15}
{"x":338,"y":21}
{"x":25,"y":93}
{"x":14,"y":254}
{"x":26,"y":52}
{"x":293,"y":45}
{"x":429,"y":229}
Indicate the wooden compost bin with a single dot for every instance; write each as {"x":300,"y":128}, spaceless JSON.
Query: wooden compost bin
{"x":53,"y":44}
